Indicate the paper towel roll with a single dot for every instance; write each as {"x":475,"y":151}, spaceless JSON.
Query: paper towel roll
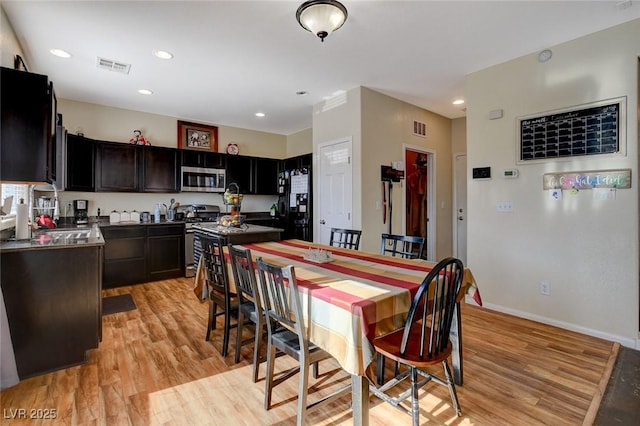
{"x":22,"y":222}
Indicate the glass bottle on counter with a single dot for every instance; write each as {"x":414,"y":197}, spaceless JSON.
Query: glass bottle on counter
{"x":156,"y":214}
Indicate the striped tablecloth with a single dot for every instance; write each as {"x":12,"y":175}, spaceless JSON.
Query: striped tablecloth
{"x":354,"y":298}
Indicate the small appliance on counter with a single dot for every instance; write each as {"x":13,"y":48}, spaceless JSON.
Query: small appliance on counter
{"x":80,"y":209}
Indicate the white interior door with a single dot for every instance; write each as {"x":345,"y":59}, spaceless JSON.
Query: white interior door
{"x":334,"y":188}
{"x":460,"y":177}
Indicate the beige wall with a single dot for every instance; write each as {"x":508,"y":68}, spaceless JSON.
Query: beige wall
{"x":9,"y":45}
{"x":300,"y":143}
{"x":586,"y":249}
{"x":379,"y":126}
{"x":116,"y":124}
{"x":337,"y":120}
{"x":387,"y":127}
{"x":459,"y":135}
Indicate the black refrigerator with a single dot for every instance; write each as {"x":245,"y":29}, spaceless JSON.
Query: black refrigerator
{"x":295,"y":206}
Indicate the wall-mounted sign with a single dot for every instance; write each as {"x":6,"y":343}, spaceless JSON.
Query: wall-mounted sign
{"x":619,"y":179}
{"x":589,"y":129}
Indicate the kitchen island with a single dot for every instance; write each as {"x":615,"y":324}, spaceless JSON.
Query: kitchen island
{"x":51,"y":286}
{"x":242,"y":234}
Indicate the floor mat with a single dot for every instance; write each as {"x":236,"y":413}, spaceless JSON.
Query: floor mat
{"x":119,"y":303}
{"x":621,"y":402}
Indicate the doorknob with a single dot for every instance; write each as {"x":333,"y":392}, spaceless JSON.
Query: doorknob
{"x":460,"y":218}
{"x":322,"y":222}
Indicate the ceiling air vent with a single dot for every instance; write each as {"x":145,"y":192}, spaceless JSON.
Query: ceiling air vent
{"x":419,"y":129}
{"x":110,"y":65}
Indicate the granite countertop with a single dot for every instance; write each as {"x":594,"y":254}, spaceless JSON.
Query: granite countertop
{"x":56,"y":239}
{"x":214,"y":228}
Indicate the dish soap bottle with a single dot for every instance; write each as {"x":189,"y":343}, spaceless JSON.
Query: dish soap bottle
{"x":156,"y":214}
{"x":274,"y":210}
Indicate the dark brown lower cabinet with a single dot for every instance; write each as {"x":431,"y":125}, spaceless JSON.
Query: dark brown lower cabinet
{"x":165,"y":245}
{"x":53,"y":302}
{"x":124,"y":255}
{"x":140,"y":253}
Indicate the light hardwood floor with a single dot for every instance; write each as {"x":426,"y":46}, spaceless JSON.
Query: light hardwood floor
{"x":154,"y":367}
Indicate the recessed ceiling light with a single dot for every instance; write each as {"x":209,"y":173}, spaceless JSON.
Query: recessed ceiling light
{"x":145,"y":92}
{"x":260,"y":114}
{"x":163,"y":54}
{"x":458,"y":102}
{"x":60,"y":53}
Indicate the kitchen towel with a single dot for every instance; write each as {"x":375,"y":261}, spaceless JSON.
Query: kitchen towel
{"x":22,"y":222}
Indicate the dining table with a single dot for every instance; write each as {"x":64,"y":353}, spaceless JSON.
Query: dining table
{"x":350,"y":297}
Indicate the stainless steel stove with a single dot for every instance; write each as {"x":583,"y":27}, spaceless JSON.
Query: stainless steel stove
{"x":195,"y":213}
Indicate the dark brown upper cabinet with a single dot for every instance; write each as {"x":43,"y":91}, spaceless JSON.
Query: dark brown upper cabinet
{"x":81,"y":154}
{"x":117,"y":167}
{"x":27,"y":127}
{"x":159,"y":169}
{"x":209,"y":160}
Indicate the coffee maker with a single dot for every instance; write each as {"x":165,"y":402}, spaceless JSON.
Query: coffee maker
{"x":80,"y":208}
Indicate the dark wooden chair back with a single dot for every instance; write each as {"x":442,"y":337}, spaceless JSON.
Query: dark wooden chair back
{"x":215,"y":266}
{"x":432,"y":310}
{"x":405,"y":246}
{"x":280,"y":292}
{"x":346,"y":238}
{"x":244,"y":275}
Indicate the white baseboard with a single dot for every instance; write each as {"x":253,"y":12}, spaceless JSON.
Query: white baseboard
{"x":624,"y":341}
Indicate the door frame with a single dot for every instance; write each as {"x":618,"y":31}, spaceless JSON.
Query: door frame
{"x":317,"y":172}
{"x":455,"y":202}
{"x":430,"y":245}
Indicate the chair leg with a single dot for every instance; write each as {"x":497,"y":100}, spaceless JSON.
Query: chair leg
{"x":415,"y":405}
{"x":316,"y":370}
{"x":239,"y":335}
{"x":257,"y":343}
{"x":303,"y":390}
{"x":227,"y":329}
{"x":211,"y":322}
{"x":452,"y":388}
{"x":268,"y":382}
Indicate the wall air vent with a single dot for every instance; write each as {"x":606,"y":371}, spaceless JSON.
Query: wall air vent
{"x":110,"y":65}
{"x":419,"y":129}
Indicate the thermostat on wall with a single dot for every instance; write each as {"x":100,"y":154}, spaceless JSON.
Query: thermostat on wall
{"x":481,"y":173}
{"x":510,"y":173}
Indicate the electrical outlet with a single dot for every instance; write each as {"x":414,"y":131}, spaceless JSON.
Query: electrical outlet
{"x":504,"y":206}
{"x":545,"y":288}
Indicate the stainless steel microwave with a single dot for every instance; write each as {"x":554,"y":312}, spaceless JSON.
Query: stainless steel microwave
{"x":200,"y":179}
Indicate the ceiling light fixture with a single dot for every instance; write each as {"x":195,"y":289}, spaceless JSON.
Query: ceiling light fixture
{"x":458,"y":102}
{"x":260,"y":114}
{"x":321,"y":17}
{"x":145,"y":92}
{"x":545,"y":55}
{"x":60,"y":53}
{"x":163,"y":54}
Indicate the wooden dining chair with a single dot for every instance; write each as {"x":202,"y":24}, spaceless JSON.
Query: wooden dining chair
{"x":347,"y":238}
{"x":424,"y":339}
{"x":219,"y":293}
{"x":282,"y":304}
{"x":405,"y":246}
{"x":249,"y":303}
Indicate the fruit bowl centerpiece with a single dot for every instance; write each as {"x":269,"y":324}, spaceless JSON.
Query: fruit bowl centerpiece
{"x":233,"y":198}
{"x":231,"y":221}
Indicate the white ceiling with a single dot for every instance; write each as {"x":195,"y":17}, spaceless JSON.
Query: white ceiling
{"x":235,"y":58}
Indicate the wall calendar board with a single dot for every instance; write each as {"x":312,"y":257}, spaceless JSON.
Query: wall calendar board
{"x":590,"y":129}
